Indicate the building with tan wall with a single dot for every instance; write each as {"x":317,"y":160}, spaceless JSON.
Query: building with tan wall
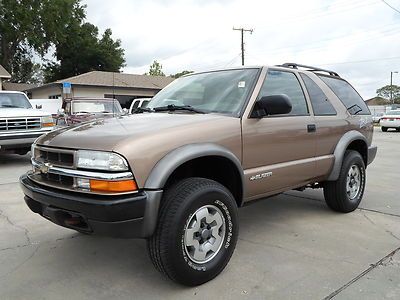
{"x":99,"y":84}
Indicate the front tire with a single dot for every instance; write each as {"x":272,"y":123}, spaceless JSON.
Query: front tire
{"x":345,"y":194}
{"x":196,"y":232}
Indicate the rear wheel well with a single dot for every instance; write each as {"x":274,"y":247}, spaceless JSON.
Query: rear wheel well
{"x":217,"y":168}
{"x":361,"y":147}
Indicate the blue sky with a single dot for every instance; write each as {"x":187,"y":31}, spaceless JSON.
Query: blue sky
{"x":360,"y":39}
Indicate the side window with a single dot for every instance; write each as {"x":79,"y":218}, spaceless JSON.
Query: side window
{"x":136,"y":104}
{"x":279,"y":82}
{"x":319,"y":101}
{"x":347,"y":94}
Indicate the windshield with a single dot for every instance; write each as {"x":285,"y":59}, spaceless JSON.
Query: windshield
{"x":14,"y":100}
{"x":96,"y":106}
{"x":222,"y":92}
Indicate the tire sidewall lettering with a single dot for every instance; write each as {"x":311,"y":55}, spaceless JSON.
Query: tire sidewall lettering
{"x":228,"y":223}
{"x":228,"y":237}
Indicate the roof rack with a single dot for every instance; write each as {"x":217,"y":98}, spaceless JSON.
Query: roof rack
{"x":308,"y":68}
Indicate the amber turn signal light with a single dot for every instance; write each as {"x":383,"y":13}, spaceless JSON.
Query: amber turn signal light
{"x":113,"y":186}
{"x":47,"y":124}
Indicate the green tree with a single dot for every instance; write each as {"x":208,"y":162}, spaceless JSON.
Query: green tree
{"x":156,"y":69}
{"x":180,"y":74}
{"x":384,"y":92}
{"x":83,"y":51}
{"x":30,"y":27}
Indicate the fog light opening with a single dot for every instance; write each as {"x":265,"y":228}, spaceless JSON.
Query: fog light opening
{"x":73,"y":221}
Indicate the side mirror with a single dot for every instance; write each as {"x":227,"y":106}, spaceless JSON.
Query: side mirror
{"x":125,"y":111}
{"x":39,"y":106}
{"x":61,"y":111}
{"x":272,"y":105}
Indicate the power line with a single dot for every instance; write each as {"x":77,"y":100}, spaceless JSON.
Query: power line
{"x":360,"y":61}
{"x":322,"y":44}
{"x":324,"y":12}
{"x":395,"y":9}
{"x":381,"y":31}
{"x":242,"y":30}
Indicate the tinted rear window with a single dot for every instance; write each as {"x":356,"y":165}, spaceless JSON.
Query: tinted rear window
{"x":319,"y":101}
{"x":348,"y":95}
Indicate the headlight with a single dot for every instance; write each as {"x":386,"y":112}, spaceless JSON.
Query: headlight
{"x":47,"y":121}
{"x":98,"y":160}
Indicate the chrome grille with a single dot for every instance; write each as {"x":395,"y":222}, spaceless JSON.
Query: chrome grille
{"x":56,"y":157}
{"x":17,"y":124}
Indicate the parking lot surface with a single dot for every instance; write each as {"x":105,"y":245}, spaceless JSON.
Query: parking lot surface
{"x":290,"y":246}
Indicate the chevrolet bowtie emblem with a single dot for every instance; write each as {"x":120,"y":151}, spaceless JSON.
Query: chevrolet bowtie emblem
{"x":44,"y":168}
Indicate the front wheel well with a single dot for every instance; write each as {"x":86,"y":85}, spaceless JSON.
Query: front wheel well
{"x":219,"y":169}
{"x":361,"y":147}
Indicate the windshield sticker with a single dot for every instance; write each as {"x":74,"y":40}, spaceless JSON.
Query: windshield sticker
{"x":242,"y":84}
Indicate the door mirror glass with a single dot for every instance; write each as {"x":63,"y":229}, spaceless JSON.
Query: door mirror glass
{"x":272,"y":105}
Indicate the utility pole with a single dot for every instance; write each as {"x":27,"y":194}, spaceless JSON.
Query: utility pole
{"x":391,"y":85}
{"x":242,"y":30}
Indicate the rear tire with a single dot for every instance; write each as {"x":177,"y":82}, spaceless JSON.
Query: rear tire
{"x":196,"y":214}
{"x":345,"y":194}
{"x":398,"y":129}
{"x":384,"y":129}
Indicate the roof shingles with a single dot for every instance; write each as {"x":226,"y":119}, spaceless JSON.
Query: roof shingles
{"x":20,"y":87}
{"x":100,"y":78}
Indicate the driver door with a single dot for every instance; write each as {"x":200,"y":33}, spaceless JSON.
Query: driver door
{"x":279,"y":150}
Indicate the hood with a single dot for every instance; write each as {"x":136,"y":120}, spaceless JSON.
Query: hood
{"x":109,"y":134}
{"x":21,"y":112}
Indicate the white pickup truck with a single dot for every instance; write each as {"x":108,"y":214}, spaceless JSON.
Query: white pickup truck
{"x":20,"y":124}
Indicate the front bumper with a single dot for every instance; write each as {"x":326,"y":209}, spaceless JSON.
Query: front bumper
{"x":124,"y":216}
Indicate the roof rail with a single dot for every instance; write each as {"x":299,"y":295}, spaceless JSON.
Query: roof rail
{"x":308,"y":68}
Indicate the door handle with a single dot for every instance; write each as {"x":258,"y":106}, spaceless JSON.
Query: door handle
{"x":311,"y":128}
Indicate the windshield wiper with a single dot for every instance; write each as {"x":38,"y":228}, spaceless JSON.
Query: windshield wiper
{"x":140,"y":110}
{"x":173,"y":107}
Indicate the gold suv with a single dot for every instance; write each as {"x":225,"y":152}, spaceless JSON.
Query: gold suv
{"x":176,"y":172}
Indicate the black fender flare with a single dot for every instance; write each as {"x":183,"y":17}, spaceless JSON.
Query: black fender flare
{"x":340,"y":149}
